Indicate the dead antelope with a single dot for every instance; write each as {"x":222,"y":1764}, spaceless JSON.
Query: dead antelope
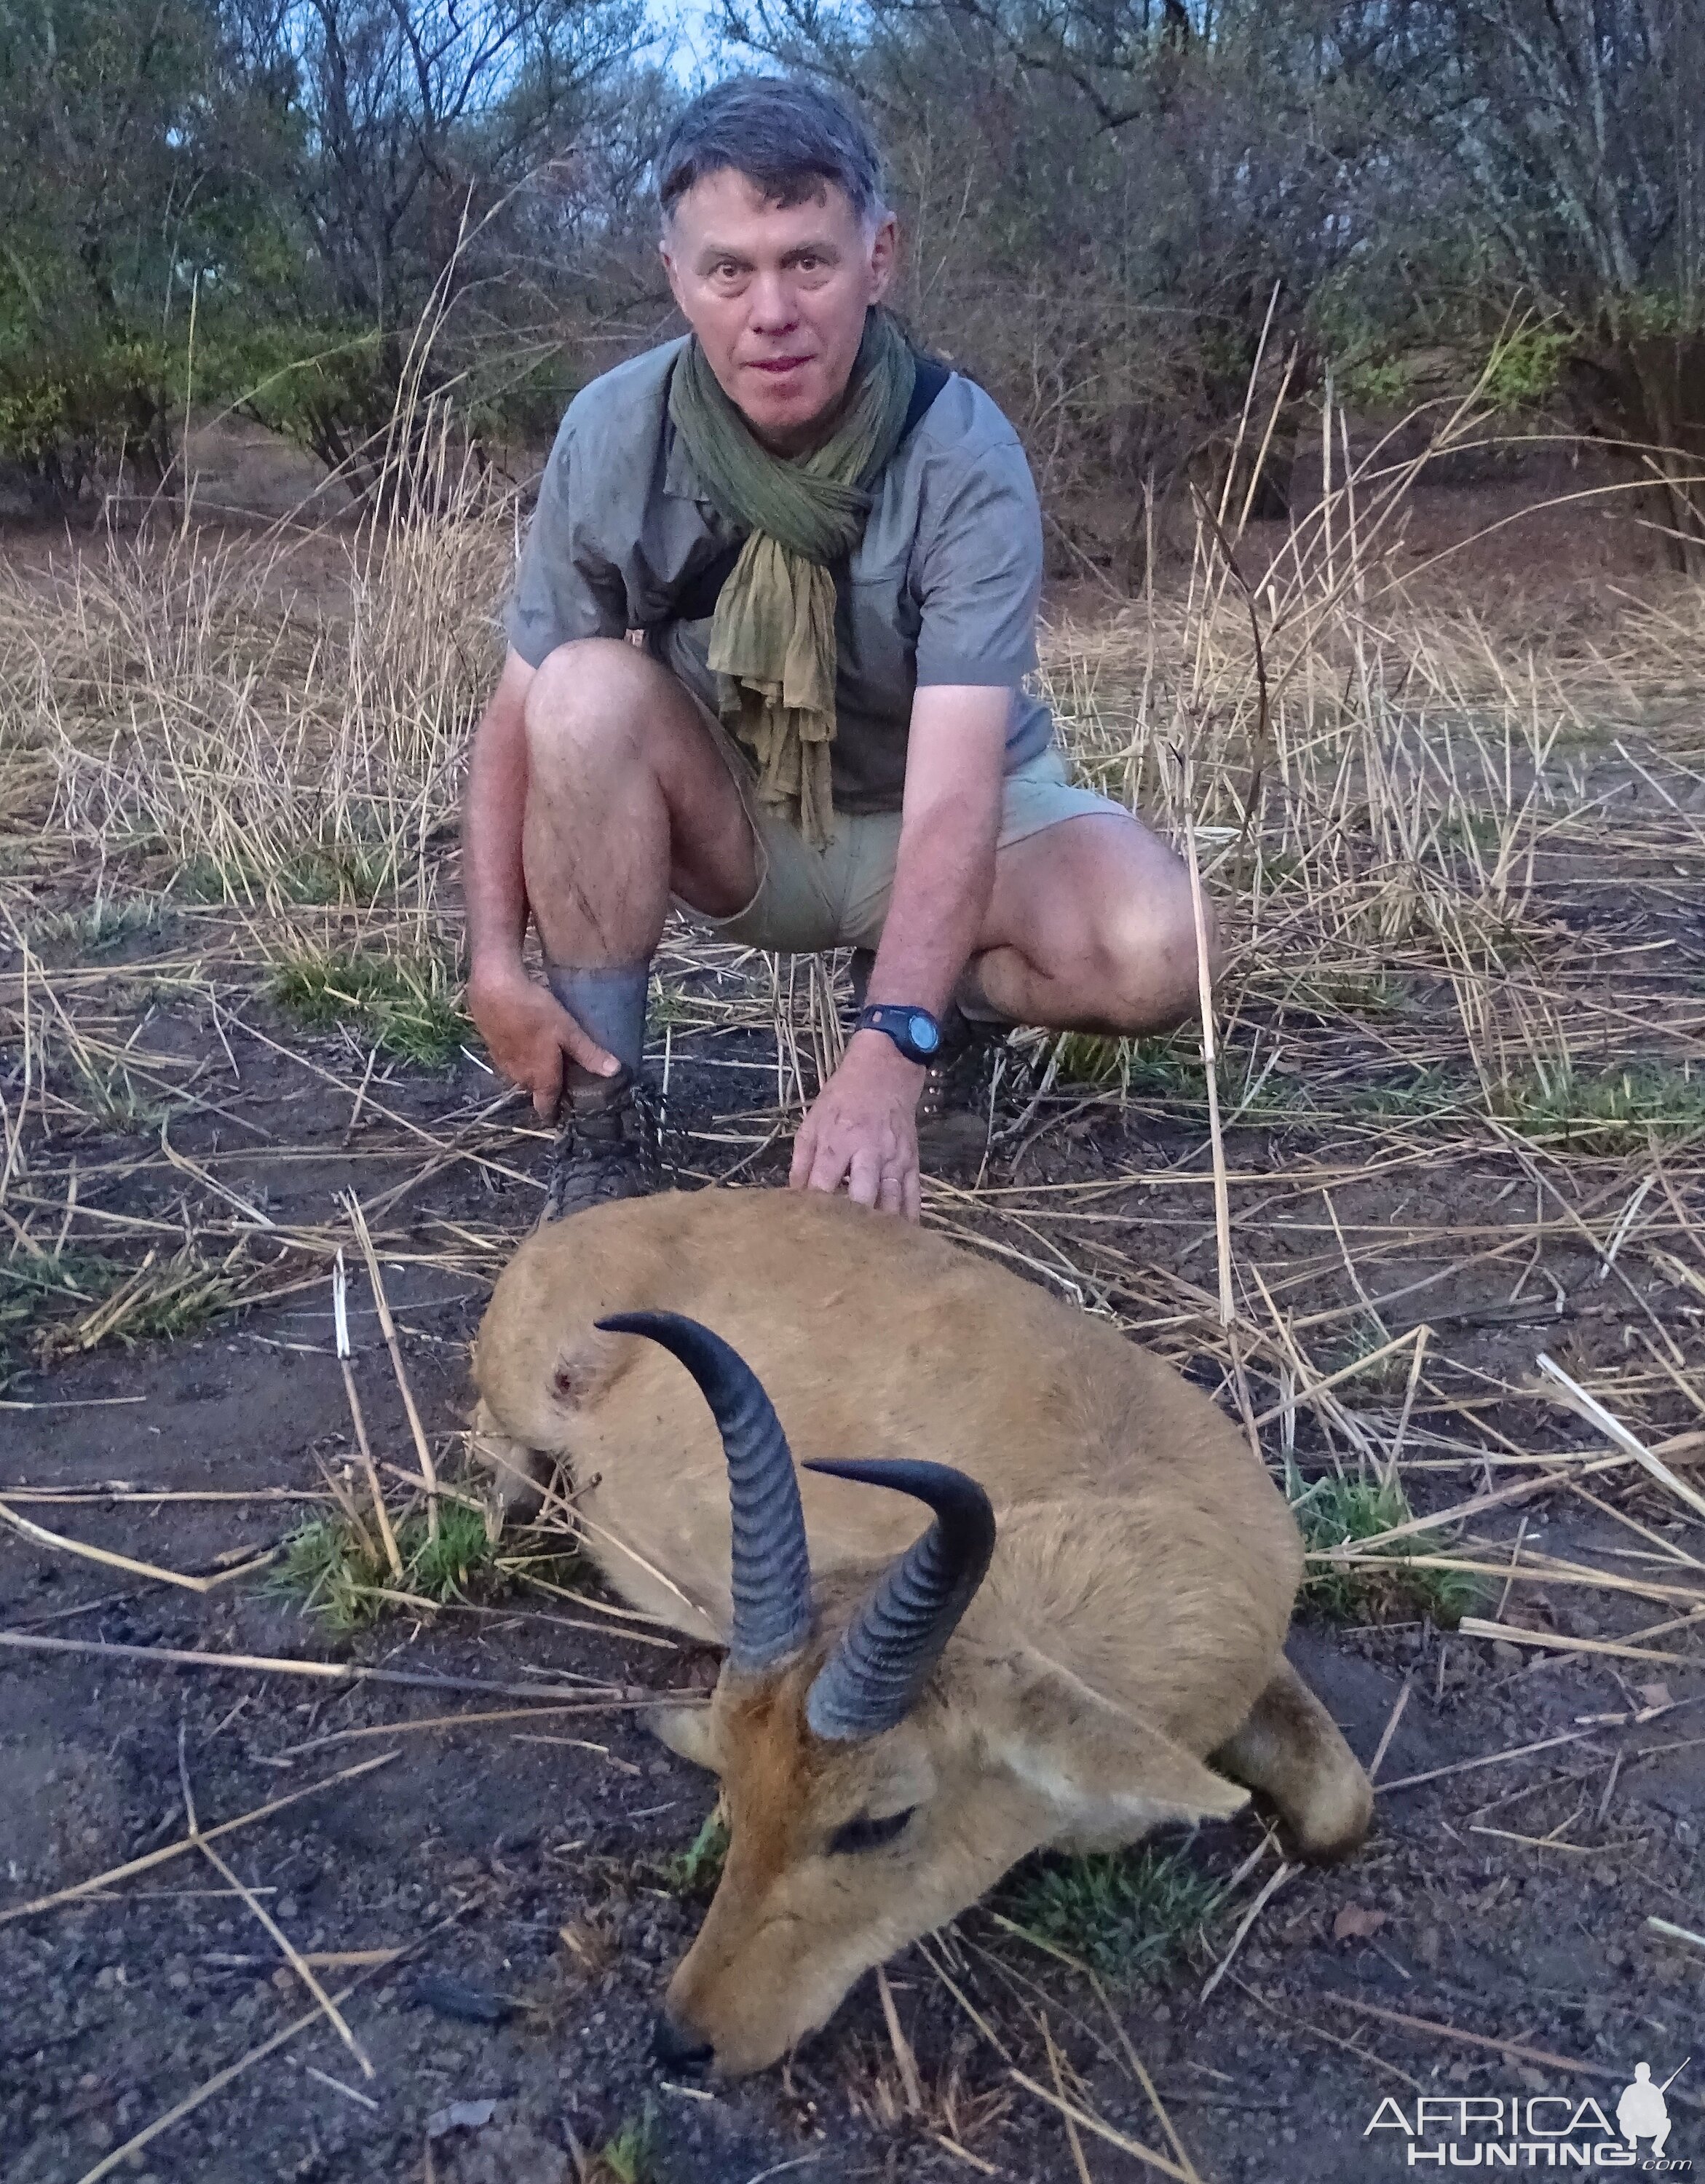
{"x":1085,"y":1642}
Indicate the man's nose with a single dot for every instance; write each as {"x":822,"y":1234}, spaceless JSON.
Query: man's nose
{"x":771,"y":307}
{"x":676,"y":2049}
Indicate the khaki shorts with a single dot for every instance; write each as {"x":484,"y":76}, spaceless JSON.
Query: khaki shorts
{"x":809,"y":899}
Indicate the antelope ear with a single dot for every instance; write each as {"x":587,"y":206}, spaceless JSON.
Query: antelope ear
{"x":1106,"y":1772}
{"x":688,"y":1732}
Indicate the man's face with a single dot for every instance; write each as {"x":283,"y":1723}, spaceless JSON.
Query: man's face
{"x":777,"y":296}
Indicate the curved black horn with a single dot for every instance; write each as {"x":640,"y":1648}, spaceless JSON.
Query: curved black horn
{"x":772,"y":1571}
{"x":869,"y":1683}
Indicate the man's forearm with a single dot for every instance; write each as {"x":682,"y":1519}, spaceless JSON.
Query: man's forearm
{"x":943,"y":878}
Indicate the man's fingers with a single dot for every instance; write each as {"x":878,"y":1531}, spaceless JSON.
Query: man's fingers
{"x":546,"y":1086}
{"x":828,"y":1164}
{"x":913,"y":1196}
{"x":804,"y":1153}
{"x":892,"y":1196}
{"x":865,"y":1177}
{"x":583,"y":1048}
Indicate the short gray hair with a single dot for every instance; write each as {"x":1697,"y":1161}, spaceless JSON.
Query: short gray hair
{"x":786,"y":136}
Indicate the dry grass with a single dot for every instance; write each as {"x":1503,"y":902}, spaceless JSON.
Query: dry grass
{"x":1459,"y":1040}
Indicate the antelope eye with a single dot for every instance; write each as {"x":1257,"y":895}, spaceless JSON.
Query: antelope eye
{"x":863,"y":1833}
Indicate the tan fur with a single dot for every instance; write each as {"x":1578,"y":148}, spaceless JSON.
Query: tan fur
{"x":1130,"y":1625}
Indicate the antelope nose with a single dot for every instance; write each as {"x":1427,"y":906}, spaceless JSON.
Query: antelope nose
{"x":676,"y":2050}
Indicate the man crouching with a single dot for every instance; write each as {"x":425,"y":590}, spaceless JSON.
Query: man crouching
{"x":830,"y":549}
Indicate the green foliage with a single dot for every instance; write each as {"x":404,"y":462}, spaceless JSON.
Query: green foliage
{"x":1125,"y":1914}
{"x":1344,"y":992}
{"x":1376,"y":383}
{"x":1526,"y":366}
{"x":1333,"y":1512}
{"x":108,"y":1092}
{"x":631,"y":2156}
{"x":696,"y":1870}
{"x":338,"y":1569}
{"x":340,"y":871}
{"x":1423,"y":1095}
{"x":102,"y":924}
{"x":1169,"y":1067}
{"x":46,"y":1298}
{"x":409,"y":1006}
{"x":1604,"y":1112}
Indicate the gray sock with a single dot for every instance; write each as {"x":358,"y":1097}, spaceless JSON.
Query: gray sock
{"x":608,"y":1001}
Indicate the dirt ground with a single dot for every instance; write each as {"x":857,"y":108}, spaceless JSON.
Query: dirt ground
{"x":493,"y":1896}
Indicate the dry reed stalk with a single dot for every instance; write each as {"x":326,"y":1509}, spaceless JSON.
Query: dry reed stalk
{"x":1594,"y":1412}
{"x":1275,"y":1881}
{"x":205,"y":2091}
{"x":1071,"y":2138}
{"x":1139,"y":2070}
{"x":904,"y":2061}
{"x":1673,"y":1933}
{"x":478,"y":1720}
{"x":1390,"y":1730}
{"x":1517,"y":2051}
{"x":298,"y":1963}
{"x":1100,"y":2129}
{"x":1554,"y":1641}
{"x":429,"y":1473}
{"x":43,"y":1538}
{"x":341,"y":1332}
{"x":153,"y":1858}
{"x":336,"y":1672}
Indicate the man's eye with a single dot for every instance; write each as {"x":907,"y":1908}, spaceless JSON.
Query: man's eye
{"x":864,"y":1833}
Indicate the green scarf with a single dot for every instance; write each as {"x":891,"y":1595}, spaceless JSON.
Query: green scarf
{"x":772,"y":637}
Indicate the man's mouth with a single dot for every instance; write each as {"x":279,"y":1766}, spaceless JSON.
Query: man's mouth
{"x":778,"y":367}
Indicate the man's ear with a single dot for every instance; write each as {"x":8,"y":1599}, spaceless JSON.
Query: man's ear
{"x":688,"y":1732}
{"x":1106,"y":1771}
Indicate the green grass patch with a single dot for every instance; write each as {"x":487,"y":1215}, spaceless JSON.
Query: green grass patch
{"x":54,"y":1304}
{"x":1335,"y":1512}
{"x":1334,"y":993}
{"x":113,"y":1096}
{"x":1389,"y":1376}
{"x":631,"y":2156}
{"x":409,"y":1006}
{"x":100,"y":924}
{"x":343,"y":872}
{"x":337,"y":1570}
{"x":1144,"y":1068}
{"x":1423,"y":1096}
{"x":1128,"y":1914}
{"x":1604,"y":1111}
{"x":696,"y":1870}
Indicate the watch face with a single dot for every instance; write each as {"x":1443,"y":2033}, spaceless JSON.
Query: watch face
{"x":925,"y":1034}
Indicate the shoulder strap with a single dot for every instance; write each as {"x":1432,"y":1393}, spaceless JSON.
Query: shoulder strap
{"x":696,"y":600}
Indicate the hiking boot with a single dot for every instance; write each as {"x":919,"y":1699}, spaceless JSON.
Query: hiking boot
{"x":607,"y":1148}
{"x":953,"y":1106}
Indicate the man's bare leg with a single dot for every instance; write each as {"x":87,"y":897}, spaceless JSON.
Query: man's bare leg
{"x":1089,"y":929}
{"x":628,"y":800}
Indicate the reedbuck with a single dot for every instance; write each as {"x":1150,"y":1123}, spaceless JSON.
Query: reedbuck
{"x":1084,"y":1643}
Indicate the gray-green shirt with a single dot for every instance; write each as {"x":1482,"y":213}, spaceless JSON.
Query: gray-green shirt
{"x":942,"y":589}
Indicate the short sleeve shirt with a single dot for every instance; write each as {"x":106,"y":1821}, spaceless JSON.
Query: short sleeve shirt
{"x":942,"y":589}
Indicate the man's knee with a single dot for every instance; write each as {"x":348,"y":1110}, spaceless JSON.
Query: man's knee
{"x":588,"y":703}
{"x":1148,"y":959}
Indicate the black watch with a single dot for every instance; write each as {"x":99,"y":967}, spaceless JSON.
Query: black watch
{"x":915,"y":1032}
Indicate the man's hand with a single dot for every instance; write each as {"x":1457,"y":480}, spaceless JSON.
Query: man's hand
{"x":862,"y":1129}
{"x":531,"y":1037}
